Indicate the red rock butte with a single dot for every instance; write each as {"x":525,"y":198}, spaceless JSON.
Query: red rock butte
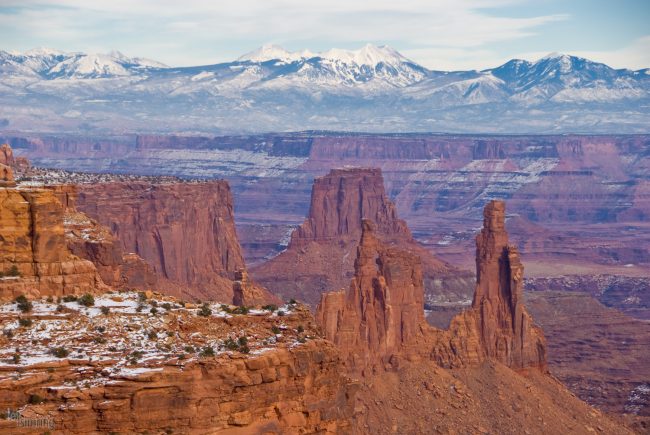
{"x":320,"y":254}
{"x":379,"y":319}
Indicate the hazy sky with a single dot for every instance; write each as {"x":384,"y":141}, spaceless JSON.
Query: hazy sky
{"x":440,"y":34}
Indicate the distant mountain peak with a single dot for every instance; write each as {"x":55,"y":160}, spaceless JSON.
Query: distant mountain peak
{"x":369,"y":54}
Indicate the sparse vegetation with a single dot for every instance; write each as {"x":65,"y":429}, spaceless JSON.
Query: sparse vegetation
{"x":69,"y":298}
{"x":35,"y":399}
{"x":292,"y":301}
{"x":23,"y":304}
{"x":9,"y":333}
{"x":101,"y":329}
{"x":189,"y":349}
{"x":153,"y":310}
{"x":11,"y":272}
{"x":240,"y":310}
{"x":275,"y":329}
{"x":60,"y":352}
{"x":105,"y":310}
{"x":281,"y":313}
{"x":152,"y":335}
{"x":301,"y":329}
{"x":270,"y":307}
{"x":167,"y":306}
{"x":86,"y":300}
{"x":25,"y":323}
{"x":16,"y":358}
{"x":207,"y":351}
{"x":205,"y":310}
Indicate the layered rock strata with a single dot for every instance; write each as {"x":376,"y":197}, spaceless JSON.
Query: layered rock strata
{"x":380,"y":317}
{"x":320,"y":254}
{"x":185,"y":231}
{"x":34,"y":256}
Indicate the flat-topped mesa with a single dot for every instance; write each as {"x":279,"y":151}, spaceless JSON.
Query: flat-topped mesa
{"x":507,"y":330}
{"x":341,"y":199}
{"x":382,"y":312}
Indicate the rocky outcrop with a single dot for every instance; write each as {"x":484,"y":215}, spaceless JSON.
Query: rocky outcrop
{"x":383,"y":310}
{"x":34,"y":256}
{"x":184,"y":230}
{"x":320,"y":255}
{"x":247,"y":293}
{"x":6,"y":155}
{"x":171,"y":371}
{"x":507,"y":330}
{"x":381,"y":316}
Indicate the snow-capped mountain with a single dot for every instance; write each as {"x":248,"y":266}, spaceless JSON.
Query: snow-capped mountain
{"x":55,"y":64}
{"x":371,"y":89}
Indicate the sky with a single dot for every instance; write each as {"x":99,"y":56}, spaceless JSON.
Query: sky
{"x":439,"y":34}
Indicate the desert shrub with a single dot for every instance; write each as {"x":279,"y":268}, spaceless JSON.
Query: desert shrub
{"x":302,"y":340}
{"x":139,"y":308}
{"x":13,"y":271}
{"x":35,"y":399}
{"x":205,"y":310}
{"x":243,"y":340}
{"x":105,"y":310}
{"x":301,"y":329}
{"x":23,"y":304}
{"x":112,"y":349}
{"x":69,"y":298}
{"x":16,"y":358}
{"x":152,"y":335}
{"x":99,"y":340}
{"x":244,"y":349}
{"x":153,"y":310}
{"x":275,"y":329}
{"x":25,"y":323}
{"x":207,"y":351}
{"x":59,"y":308}
{"x":230,"y":344}
{"x":270,"y":307}
{"x":167,"y":306}
{"x":50,"y":299}
{"x":153,"y":303}
{"x":189,"y":349}
{"x":86,"y":300}
{"x":240,"y":310}
{"x":142,"y":296}
{"x":101,"y":329}
{"x":292,"y":301}
{"x":281,"y":313}
{"x":226,"y":308}
{"x":9,"y":333}
{"x":60,"y":352}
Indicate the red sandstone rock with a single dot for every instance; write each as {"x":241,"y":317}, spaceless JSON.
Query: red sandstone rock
{"x":247,"y":293}
{"x":320,"y":255}
{"x":32,"y":239}
{"x":380,"y":318}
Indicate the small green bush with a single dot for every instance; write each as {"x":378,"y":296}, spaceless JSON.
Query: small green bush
{"x":25,"y":323}
{"x":23,"y":304}
{"x":270,"y":307}
{"x":281,"y":313}
{"x":189,"y":349}
{"x":153,"y":310}
{"x":9,"y":333}
{"x":86,"y":300}
{"x":167,"y":306}
{"x":69,"y":298}
{"x":101,"y":329}
{"x":244,"y":349}
{"x":241,"y":310}
{"x":13,"y":271}
{"x":35,"y":399}
{"x":205,"y":310}
{"x":16,"y":358}
{"x":275,"y":329}
{"x":230,"y":344}
{"x":60,"y":352}
{"x":243,"y":340}
{"x":207,"y":351}
{"x":50,"y":299}
{"x":292,"y":301}
{"x":301,"y":329}
{"x":105,"y":310}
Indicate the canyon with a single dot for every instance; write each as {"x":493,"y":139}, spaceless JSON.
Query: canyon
{"x":378,"y":324}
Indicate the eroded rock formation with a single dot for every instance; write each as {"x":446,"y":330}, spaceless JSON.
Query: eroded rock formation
{"x":321,"y":253}
{"x":34,"y":256}
{"x":380,"y":318}
{"x":185,"y":231}
{"x":247,"y":293}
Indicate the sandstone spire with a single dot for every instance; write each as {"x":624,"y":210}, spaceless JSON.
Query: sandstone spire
{"x":381,"y":315}
{"x":507,"y":330}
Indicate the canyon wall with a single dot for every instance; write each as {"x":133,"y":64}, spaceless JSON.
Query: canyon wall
{"x":185,"y":231}
{"x":320,"y":254}
{"x":380,"y":317}
{"x":34,"y":256}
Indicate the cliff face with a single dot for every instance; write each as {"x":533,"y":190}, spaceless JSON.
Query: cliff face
{"x":32,"y":239}
{"x":381,"y":315}
{"x":185,"y":231}
{"x":320,"y":255}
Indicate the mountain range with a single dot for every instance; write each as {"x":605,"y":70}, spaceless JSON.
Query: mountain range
{"x":374,"y":89}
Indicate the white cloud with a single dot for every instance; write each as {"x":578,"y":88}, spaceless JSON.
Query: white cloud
{"x":205,"y":31}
